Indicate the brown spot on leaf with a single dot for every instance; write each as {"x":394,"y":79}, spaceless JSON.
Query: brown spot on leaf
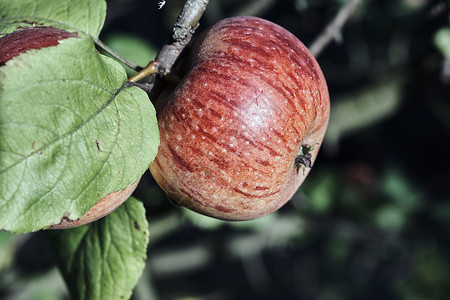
{"x":136,"y":226}
{"x":98,"y":146}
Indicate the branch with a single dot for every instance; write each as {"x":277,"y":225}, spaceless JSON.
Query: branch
{"x":332,"y":31}
{"x":182,"y":33}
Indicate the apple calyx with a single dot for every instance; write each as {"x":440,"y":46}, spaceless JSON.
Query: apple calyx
{"x":251,"y":111}
{"x":304,"y":157}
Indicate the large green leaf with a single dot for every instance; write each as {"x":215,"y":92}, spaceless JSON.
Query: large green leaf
{"x":104,"y":259}
{"x":70,"y":134}
{"x":84,"y":16}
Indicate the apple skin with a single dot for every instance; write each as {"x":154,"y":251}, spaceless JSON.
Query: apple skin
{"x":28,"y":38}
{"x":38,"y":37}
{"x":104,"y":207}
{"x":254,"y":100}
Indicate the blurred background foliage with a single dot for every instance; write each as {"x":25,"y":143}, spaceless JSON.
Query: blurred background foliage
{"x":372,"y":220}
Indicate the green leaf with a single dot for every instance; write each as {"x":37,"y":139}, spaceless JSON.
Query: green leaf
{"x":84,"y":16}
{"x":442,"y":41}
{"x":104,"y":259}
{"x":70,"y":134}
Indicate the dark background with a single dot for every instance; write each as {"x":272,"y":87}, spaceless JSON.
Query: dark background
{"x":372,"y":219}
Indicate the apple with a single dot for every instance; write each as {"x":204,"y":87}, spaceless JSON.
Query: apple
{"x":28,"y":38}
{"x":241,"y":130}
{"x":104,"y":207}
{"x":38,"y":37}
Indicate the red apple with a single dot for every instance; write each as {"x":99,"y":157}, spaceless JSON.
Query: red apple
{"x":104,"y":207}
{"x":241,"y":130}
{"x":28,"y":38}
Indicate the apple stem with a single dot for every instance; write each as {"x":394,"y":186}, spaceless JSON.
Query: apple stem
{"x":151,"y":68}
